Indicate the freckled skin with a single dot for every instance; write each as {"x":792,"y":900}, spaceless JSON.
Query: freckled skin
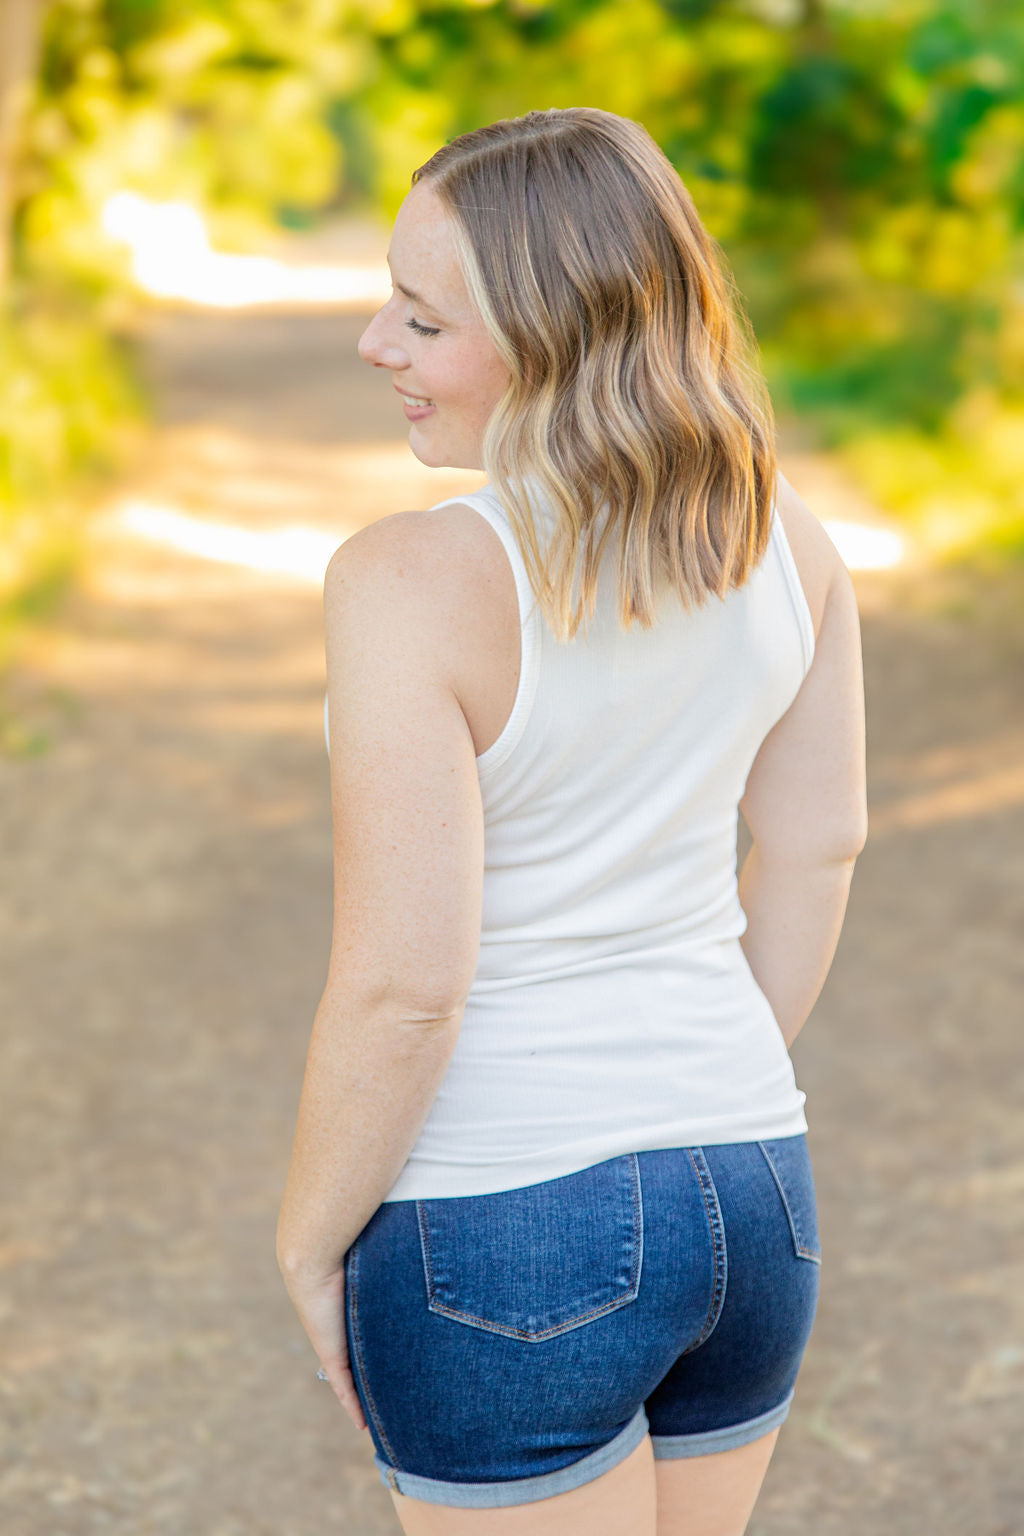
{"x":459,"y":368}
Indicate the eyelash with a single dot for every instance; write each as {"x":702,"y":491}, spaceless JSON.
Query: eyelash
{"x":421,"y":330}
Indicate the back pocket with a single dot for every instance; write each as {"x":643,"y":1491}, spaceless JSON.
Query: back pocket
{"x":534,"y":1262}
{"x":790,"y":1163}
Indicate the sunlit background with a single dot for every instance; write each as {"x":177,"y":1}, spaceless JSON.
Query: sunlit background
{"x":195,"y":204}
{"x":859,"y":163}
{"x":172,"y":258}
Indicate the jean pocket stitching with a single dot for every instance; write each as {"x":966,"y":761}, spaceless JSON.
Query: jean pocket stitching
{"x":800,"y":1248}
{"x":636,"y":1191}
{"x":509,"y":1330}
{"x":716,"y":1228}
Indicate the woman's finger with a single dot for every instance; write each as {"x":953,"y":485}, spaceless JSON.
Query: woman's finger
{"x":340,"y":1378}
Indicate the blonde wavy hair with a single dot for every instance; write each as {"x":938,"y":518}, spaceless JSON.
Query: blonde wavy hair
{"x":634,"y":383}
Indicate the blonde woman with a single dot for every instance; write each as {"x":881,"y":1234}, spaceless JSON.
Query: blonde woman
{"x":550,"y":1219}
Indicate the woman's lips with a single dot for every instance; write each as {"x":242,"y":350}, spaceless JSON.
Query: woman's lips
{"x":417,"y":412}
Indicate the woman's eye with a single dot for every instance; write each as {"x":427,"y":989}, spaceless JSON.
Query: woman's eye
{"x":421,"y":330}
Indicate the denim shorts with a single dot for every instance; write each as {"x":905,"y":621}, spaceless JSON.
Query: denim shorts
{"x":508,"y":1347}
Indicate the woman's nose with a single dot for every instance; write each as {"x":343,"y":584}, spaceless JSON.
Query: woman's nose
{"x":377,"y":346}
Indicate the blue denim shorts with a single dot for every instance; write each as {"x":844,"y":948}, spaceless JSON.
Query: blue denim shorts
{"x":508,"y":1347}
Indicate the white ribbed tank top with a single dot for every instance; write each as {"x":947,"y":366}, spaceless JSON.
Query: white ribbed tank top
{"x":613,"y":1008}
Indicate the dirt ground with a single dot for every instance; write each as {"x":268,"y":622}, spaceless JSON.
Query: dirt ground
{"x":163,"y":944}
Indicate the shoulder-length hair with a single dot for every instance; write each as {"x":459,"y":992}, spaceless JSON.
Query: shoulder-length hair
{"x":634,"y":383}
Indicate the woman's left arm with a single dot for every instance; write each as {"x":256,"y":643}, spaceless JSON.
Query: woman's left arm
{"x":408,"y":863}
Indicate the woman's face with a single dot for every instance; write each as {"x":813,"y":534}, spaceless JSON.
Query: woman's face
{"x":434,"y":344}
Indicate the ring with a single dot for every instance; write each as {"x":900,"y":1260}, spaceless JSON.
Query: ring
{"x":322,"y":1375}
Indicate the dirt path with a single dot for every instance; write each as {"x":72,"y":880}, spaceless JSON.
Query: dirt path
{"x":163,"y":944}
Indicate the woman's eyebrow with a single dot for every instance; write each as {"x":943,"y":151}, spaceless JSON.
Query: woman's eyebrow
{"x":410,"y":293}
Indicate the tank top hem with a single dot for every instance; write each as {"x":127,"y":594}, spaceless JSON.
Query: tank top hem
{"x":433,"y":1181}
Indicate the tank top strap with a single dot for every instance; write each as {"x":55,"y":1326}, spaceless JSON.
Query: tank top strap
{"x":794,"y":586}
{"x":531,"y":625}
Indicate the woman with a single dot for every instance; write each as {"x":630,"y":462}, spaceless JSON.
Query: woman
{"x":550,"y":1220}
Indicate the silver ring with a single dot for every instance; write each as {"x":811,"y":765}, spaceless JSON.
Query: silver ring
{"x":322,"y":1375}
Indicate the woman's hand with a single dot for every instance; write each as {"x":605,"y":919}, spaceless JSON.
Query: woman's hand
{"x":321,"y":1308}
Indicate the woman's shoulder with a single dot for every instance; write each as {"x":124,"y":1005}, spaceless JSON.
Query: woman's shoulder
{"x":440,"y":546}
{"x":444,"y":570}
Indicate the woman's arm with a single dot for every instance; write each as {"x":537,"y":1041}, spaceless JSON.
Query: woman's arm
{"x":408,"y":887}
{"x":795,"y":914}
{"x":372,"y":1074}
{"x":805,"y":803}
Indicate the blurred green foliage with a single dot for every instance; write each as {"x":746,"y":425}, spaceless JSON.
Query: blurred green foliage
{"x":68,"y":403}
{"x":860,"y":162}
{"x":224,"y":104}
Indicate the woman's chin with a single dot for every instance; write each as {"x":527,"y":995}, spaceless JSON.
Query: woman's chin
{"x":423,"y":453}
{"x":436,"y":459}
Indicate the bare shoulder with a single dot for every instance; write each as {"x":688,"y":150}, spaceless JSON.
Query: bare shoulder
{"x":439,"y":544}
{"x":387,"y":585}
{"x":380,"y":545}
{"x":818,"y":561}
{"x":443,"y":574}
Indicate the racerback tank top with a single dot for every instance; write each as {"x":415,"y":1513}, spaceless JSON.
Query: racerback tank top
{"x":613,"y":1008}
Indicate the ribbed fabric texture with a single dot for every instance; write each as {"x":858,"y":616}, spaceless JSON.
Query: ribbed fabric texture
{"x":613,"y":1009}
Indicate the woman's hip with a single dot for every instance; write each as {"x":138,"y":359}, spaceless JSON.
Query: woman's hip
{"x":503,"y":1336}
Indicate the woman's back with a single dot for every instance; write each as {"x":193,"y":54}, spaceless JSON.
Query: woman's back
{"x":491,"y":659}
{"x":613,"y":1007}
